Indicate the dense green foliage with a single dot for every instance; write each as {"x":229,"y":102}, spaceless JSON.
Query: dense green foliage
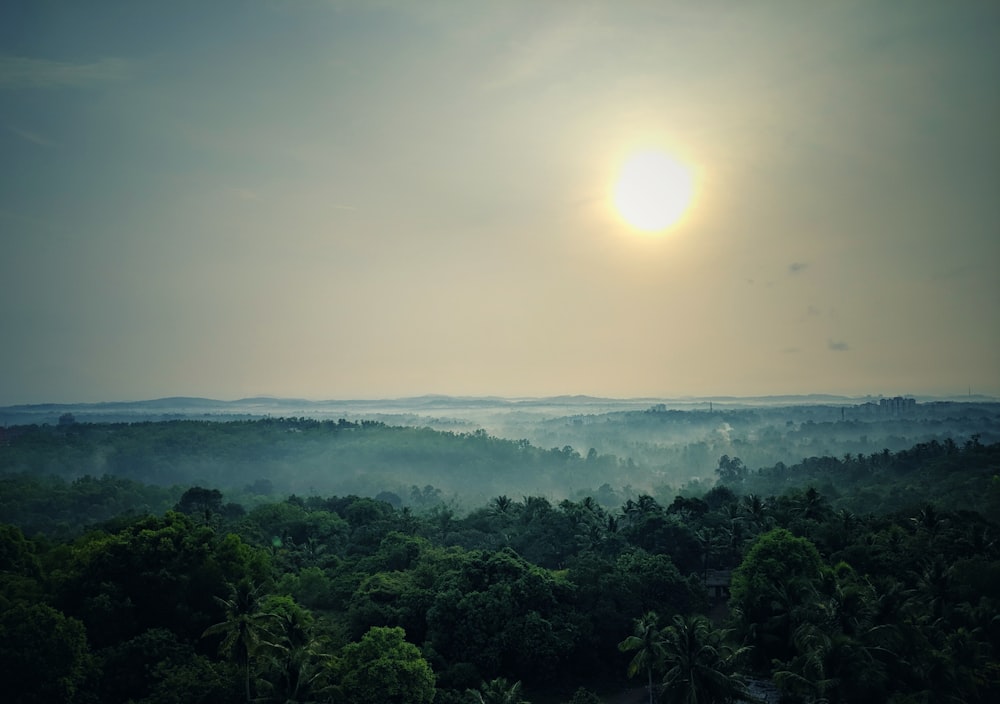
{"x":883,"y":482}
{"x":301,"y":455}
{"x":116,"y":591}
{"x":620,"y":454}
{"x":383,"y":667}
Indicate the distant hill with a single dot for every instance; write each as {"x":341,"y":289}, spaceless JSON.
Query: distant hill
{"x":468,"y":408}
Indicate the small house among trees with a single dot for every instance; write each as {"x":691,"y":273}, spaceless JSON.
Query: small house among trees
{"x":717,"y":584}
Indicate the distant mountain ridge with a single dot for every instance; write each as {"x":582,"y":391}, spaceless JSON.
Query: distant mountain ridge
{"x":444,"y":400}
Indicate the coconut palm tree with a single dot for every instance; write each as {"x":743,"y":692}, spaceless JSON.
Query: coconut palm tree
{"x":811,"y":505}
{"x":700,"y":664}
{"x":833,"y":666}
{"x":758,"y":512}
{"x":245,"y":631}
{"x":297,"y":671}
{"x":647,"y":642}
{"x":501,"y":505}
{"x":498,"y":691}
{"x":842,"y":653}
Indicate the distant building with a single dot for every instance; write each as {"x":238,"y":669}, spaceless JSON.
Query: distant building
{"x":717,"y":584}
{"x":895,"y":406}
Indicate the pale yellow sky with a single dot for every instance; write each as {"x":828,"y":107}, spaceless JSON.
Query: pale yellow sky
{"x":357,"y":199}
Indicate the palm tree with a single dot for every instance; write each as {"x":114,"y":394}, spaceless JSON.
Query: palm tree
{"x":712,"y":543}
{"x":933,"y":588}
{"x":843,"y":651}
{"x":245,"y":628}
{"x":532,"y":507}
{"x":806,"y":675}
{"x":833,"y":666}
{"x":732,"y":532}
{"x":929,"y":523}
{"x":648,"y":505}
{"x":812,"y":505}
{"x":501,"y":505}
{"x":297,"y":672}
{"x":700,"y":664}
{"x":647,"y":641}
{"x":757,"y":512}
{"x":630,"y":512}
{"x":498,"y":691}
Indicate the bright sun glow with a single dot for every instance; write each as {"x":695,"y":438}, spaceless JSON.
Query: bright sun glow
{"x":652,"y":191}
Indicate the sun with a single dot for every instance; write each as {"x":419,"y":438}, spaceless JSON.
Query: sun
{"x":652,"y":191}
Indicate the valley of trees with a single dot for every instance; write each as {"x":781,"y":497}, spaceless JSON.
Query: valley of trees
{"x":194,"y":562}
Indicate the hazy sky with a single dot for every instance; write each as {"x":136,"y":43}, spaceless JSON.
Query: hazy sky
{"x":370,"y":199}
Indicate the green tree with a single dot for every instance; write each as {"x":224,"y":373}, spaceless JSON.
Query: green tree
{"x":296,"y":669}
{"x":384,"y":668}
{"x":700,"y":665}
{"x":498,"y":691}
{"x":648,"y":643}
{"x":197,"y":681}
{"x":200,"y":502}
{"x":653,"y":583}
{"x":20,"y":571}
{"x":731,"y":469}
{"x":246,"y":630}
{"x":504,"y":616}
{"x":157,"y":667}
{"x":156,"y":572}
{"x":757,"y":511}
{"x":502,"y":505}
{"x":842,"y":655}
{"x":773,"y":591}
{"x":43,"y":654}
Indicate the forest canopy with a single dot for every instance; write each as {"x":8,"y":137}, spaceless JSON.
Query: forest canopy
{"x":860,"y":578}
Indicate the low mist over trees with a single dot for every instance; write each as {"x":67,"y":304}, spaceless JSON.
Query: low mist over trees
{"x":610,"y":456}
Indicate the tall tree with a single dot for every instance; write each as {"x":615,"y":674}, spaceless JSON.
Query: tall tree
{"x":774,"y":590}
{"x":246,"y":629}
{"x":701,"y":666}
{"x":43,"y":654}
{"x":297,"y":667}
{"x":383,"y":667}
{"x":648,"y":644}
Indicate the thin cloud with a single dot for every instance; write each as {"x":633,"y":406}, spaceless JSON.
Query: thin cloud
{"x":41,"y":73}
{"x":538,"y":53}
{"x":837,"y":345}
{"x":32,"y":137}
